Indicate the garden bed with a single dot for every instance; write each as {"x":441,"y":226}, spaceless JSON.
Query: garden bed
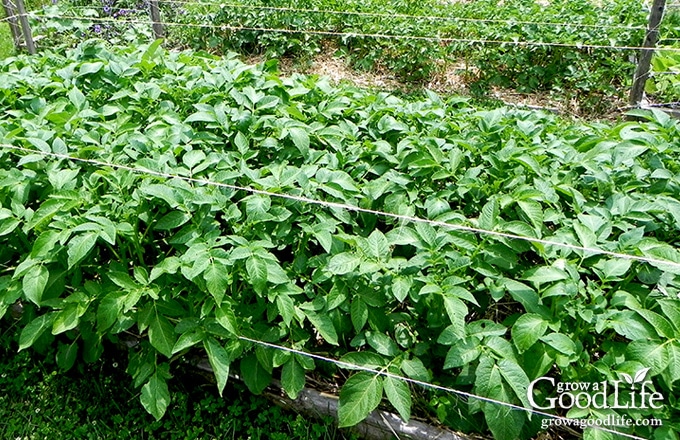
{"x":204,"y":206}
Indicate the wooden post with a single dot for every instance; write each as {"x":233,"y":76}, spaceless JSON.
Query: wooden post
{"x":156,"y":19}
{"x":642,"y":70}
{"x":28,"y":36}
{"x":8,"y":6}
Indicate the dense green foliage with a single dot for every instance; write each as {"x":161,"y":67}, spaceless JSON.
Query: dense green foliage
{"x":98,"y":253}
{"x":525,"y":68}
{"x":306,"y":27}
{"x":96,"y":402}
{"x":663,"y":85}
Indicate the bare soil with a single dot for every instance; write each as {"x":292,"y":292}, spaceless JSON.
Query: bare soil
{"x":451,"y":78}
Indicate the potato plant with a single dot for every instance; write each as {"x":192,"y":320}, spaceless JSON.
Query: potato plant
{"x":571,"y":69}
{"x":173,"y":266}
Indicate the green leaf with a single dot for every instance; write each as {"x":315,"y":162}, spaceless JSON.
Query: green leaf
{"x":631,"y":325}
{"x":527,"y":330}
{"x":80,"y":246}
{"x":613,"y":269}
{"x":490,"y":214}
{"x":257,"y":207}
{"x":533,"y":211}
{"x":202,"y":116}
{"x":77,"y":98}
{"x":89,"y":68}
{"x":598,"y":434}
{"x":266,"y":357}
{"x":366,"y":359}
{"x":255,"y":376}
{"x":358,"y":314}
{"x":193,"y":158}
{"x":660,"y":324}
{"x":278,"y":357}
{"x":382,"y":343}
{"x":109,"y":310}
{"x":673,"y":350}
{"x":187,"y":340}
{"x":226,"y":318}
{"x":415,"y":369}
{"x":167,"y":265}
{"x":172,"y":220}
{"x":286,"y":308}
{"x":343,"y":263}
{"x":500,"y":346}
{"x":664,"y":253}
{"x":545,"y":274}
{"x":155,"y":396}
{"x":462,"y":353}
{"x":44,"y":244}
{"x":516,"y":378}
{"x":504,"y":422}
{"x":292,"y":378}
{"x":44,"y":214}
{"x":449,"y":336}
{"x":66,"y":319}
{"x":388,"y":123}
{"x":460,"y":292}
{"x":161,"y":334}
{"x":457,"y":311}
{"x":59,"y":146}
{"x":671,"y":309}
{"x":123,"y":280}
{"x":525,"y":295}
{"x":7,"y":225}
{"x":300,"y":139}
{"x":34,"y":283}
{"x":66,"y":355}
{"x":39,"y":144}
{"x":360,"y":395}
{"x":560,"y":342}
{"x":649,"y":353}
{"x":163,"y":192}
{"x":257,"y":271}
{"x":400,"y":288}
{"x":377,"y":246}
{"x":216,"y":280}
{"x":485,"y":327}
{"x":35,"y":329}
{"x":152,"y":49}
{"x":428,"y":235}
{"x":586,"y":236}
{"x":399,"y":395}
{"x":324,"y":325}
{"x":241,"y":142}
{"x":219,"y":361}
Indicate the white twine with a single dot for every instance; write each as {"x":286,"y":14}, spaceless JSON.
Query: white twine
{"x":379,"y":213}
{"x":567,"y":421}
{"x":437,"y":39}
{"x":377,"y":14}
{"x":302,"y":199}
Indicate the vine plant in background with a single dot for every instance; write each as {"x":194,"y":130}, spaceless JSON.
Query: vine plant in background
{"x":97,"y":254}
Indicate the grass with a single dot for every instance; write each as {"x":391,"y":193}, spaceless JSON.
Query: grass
{"x":6,"y":44}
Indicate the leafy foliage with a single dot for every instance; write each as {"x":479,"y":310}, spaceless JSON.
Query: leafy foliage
{"x":357,"y":30}
{"x":96,"y":253}
{"x":97,"y":401}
